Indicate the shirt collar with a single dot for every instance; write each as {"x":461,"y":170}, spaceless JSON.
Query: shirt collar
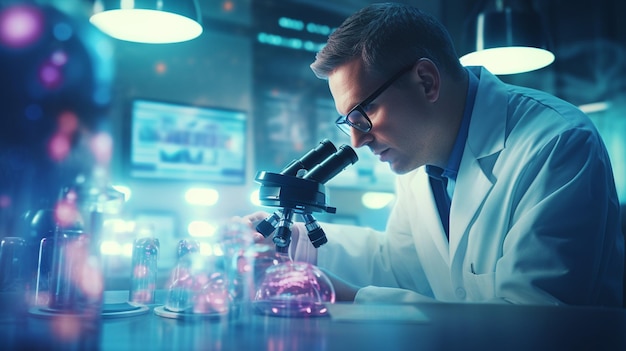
{"x":454,"y":161}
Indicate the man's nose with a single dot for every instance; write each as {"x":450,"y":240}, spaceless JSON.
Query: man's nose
{"x":359,"y":139}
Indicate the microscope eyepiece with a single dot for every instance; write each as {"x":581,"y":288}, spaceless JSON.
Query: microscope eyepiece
{"x":334,"y":164}
{"x":311,"y":158}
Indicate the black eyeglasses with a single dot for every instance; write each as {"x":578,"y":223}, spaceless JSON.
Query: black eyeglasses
{"x":357,"y":117}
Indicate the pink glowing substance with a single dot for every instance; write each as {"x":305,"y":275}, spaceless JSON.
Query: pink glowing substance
{"x":294,"y":289}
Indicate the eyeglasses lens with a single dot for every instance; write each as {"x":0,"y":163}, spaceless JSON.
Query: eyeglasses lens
{"x":358,"y":120}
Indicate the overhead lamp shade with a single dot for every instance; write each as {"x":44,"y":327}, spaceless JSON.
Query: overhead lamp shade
{"x":148,"y":21}
{"x":507,"y":42}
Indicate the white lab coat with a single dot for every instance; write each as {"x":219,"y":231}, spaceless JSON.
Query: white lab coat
{"x":534,"y":218}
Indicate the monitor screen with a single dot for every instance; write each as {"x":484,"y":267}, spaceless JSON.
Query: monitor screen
{"x":184,"y":142}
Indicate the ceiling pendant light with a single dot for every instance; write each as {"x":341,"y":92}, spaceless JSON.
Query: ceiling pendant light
{"x":507,"y":40}
{"x":148,"y":21}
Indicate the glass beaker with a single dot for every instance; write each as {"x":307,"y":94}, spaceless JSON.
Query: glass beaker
{"x":11,"y":261}
{"x":143,"y":270}
{"x":199,"y":283}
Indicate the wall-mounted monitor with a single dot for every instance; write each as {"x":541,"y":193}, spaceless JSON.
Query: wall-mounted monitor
{"x":175,"y":141}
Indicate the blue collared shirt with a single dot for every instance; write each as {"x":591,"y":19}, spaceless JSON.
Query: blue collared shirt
{"x":449,"y":173}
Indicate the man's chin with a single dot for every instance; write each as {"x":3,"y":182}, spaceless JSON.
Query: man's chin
{"x":400,"y":169}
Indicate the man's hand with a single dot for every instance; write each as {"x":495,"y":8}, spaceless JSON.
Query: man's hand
{"x":344,"y":291}
{"x":300,"y":248}
{"x":252,"y":220}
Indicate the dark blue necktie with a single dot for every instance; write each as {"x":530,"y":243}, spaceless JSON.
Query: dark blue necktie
{"x":439,"y":184}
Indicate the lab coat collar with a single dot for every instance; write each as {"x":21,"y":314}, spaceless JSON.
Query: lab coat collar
{"x":484,"y":142}
{"x":486,"y":136}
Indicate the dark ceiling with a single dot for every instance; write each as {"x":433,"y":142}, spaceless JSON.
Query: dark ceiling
{"x":588,"y":38}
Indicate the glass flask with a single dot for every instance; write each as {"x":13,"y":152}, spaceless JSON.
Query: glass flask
{"x":199,"y":284}
{"x":294,"y":289}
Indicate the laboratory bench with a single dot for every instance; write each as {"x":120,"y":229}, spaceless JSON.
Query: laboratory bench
{"x":424,"y":326}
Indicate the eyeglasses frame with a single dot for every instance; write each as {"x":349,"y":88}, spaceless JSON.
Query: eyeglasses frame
{"x":360,"y":107}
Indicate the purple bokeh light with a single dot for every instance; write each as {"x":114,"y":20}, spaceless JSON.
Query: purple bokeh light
{"x":20,"y":26}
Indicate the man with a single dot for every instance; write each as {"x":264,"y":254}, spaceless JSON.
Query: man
{"x":504,"y":194}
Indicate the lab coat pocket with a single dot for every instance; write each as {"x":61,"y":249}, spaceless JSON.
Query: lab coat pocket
{"x":479,"y":287}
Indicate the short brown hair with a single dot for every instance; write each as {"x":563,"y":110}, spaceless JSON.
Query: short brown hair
{"x":387,"y":37}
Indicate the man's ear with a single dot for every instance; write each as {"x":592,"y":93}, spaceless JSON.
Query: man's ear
{"x":429,"y":77}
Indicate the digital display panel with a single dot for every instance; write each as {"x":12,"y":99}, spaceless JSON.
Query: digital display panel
{"x":183,"y":142}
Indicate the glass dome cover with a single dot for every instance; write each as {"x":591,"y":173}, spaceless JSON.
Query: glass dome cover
{"x":294,"y":289}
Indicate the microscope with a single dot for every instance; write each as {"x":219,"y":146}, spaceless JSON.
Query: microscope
{"x":299,"y":189}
